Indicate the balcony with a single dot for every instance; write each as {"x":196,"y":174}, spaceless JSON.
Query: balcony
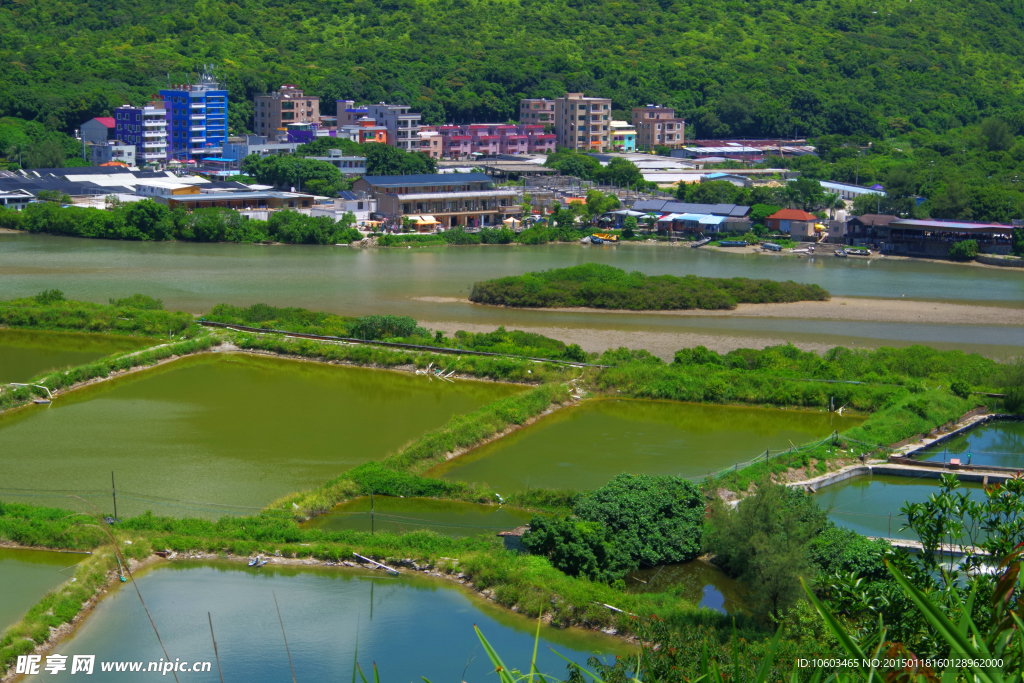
{"x":161,"y":133}
{"x":154,"y":122}
{"x":198,"y":117}
{"x":153,"y":145}
{"x":203,"y":139}
{"x":197,"y":129}
{"x":198,"y":105}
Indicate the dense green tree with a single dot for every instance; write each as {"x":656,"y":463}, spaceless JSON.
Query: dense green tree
{"x":997,"y":134}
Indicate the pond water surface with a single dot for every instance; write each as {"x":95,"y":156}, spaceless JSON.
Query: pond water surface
{"x":26,"y":353}
{"x":410,"y":626}
{"x":220,"y":433}
{"x":584,"y":446}
{"x":698,"y":581}
{"x":999,"y":443}
{"x":27,"y":575}
{"x":870,"y":505}
{"x":423,"y":282}
{"x":401,"y":515}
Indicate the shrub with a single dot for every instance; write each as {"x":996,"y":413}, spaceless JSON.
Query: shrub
{"x":964,"y":250}
{"x":502,"y":235}
{"x":139,"y":302}
{"x":960,"y":388}
{"x":382,"y":327}
{"x":577,"y":548}
{"x":49,"y":297}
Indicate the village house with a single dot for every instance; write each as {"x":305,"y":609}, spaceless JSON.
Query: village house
{"x":799,"y":225}
{"x":443,"y":200}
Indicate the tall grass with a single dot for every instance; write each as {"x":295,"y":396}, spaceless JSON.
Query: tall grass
{"x":81,"y":316}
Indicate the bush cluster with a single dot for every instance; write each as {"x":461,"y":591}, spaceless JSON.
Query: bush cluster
{"x":149,"y":220}
{"x":602,"y":286}
{"x":136,"y":315}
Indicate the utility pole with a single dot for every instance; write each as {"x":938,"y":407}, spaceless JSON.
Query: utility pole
{"x":113,"y":492}
{"x":371,"y":513}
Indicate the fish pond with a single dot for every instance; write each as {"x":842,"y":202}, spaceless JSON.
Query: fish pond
{"x":999,"y":443}
{"x":27,"y":353}
{"x":27,"y":575}
{"x":219,"y":433}
{"x":409,"y":626}
{"x":584,"y":446}
{"x":402,"y":515}
{"x":698,"y":582}
{"x":870,"y":505}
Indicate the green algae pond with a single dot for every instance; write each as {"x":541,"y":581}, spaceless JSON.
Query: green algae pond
{"x":402,"y":515}
{"x":219,"y":433}
{"x":27,"y":353}
{"x":870,"y":505}
{"x":409,"y":626}
{"x":998,"y":443}
{"x":584,"y":446}
{"x":27,"y":575}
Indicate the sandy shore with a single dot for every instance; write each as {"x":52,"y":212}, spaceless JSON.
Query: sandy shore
{"x":839,"y":308}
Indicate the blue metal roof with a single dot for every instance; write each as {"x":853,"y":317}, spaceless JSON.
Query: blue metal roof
{"x":427,"y":179}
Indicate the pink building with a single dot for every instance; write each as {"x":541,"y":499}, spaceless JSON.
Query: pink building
{"x":515,"y":144}
{"x":487,"y":144}
{"x":495,"y":138}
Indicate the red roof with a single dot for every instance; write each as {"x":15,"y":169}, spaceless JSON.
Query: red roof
{"x":107,"y":121}
{"x":793,"y":215}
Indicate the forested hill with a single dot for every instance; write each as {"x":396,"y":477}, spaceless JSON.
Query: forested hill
{"x":734,"y":68}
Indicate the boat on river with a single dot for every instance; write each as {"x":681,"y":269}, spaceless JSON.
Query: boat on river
{"x":594,"y":239}
{"x":771,"y":246}
{"x":700,"y":243}
{"x":605,"y":237}
{"x":841,"y":253}
{"x":732,"y":243}
{"x":258,"y":561}
{"x":857,"y":252}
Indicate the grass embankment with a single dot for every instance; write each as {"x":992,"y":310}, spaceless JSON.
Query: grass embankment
{"x":136,"y":315}
{"x":64,"y":379}
{"x":491,"y":367}
{"x":905,"y":392}
{"x":397,"y":474}
{"x":601,"y":286}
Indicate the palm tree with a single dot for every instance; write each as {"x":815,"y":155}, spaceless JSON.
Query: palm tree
{"x":833,"y":201}
{"x":16,"y":149}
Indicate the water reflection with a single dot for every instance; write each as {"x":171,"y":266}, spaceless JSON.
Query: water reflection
{"x":870,"y":505}
{"x":410,"y":626}
{"x":699,"y":582}
{"x":998,"y":443}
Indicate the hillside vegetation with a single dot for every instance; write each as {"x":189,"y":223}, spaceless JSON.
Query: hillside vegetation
{"x":600,"y":286}
{"x":733,"y":68}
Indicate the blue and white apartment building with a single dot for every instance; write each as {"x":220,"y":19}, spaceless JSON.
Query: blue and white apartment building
{"x":198,"y":121}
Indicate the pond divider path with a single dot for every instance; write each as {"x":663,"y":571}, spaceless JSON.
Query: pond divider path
{"x":394,"y":345}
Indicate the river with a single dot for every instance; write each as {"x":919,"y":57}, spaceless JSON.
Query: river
{"x":26,"y":353}
{"x":220,"y":433}
{"x":584,"y":446}
{"x":343,"y":280}
{"x":409,"y":626}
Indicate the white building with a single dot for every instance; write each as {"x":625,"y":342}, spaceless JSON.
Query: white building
{"x":347,"y":165}
{"x":403,"y":125}
{"x":360,"y":204}
{"x":113,"y":150}
{"x":849,"y":191}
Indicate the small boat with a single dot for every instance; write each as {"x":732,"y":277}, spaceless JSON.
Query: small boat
{"x":253,"y":561}
{"x":771,"y":246}
{"x":700,"y":243}
{"x":41,"y":401}
{"x":858,"y":252}
{"x":594,"y":239}
{"x":732,"y":243}
{"x":262,"y":562}
{"x":585,"y":240}
{"x":841,"y":253}
{"x":606,"y":237}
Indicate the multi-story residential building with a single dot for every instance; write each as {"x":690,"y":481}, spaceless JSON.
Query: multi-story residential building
{"x":112,"y":151}
{"x":198,"y":118}
{"x":96,"y":131}
{"x":275,"y":111}
{"x":403,"y":125}
{"x":583,"y":122}
{"x":495,"y":138}
{"x":348,"y":113}
{"x":623,"y":136}
{"x":441,"y":200}
{"x":658,"y":126}
{"x":431,"y":142}
{"x":537,"y":111}
{"x":579,"y":122}
{"x":146,"y":128}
